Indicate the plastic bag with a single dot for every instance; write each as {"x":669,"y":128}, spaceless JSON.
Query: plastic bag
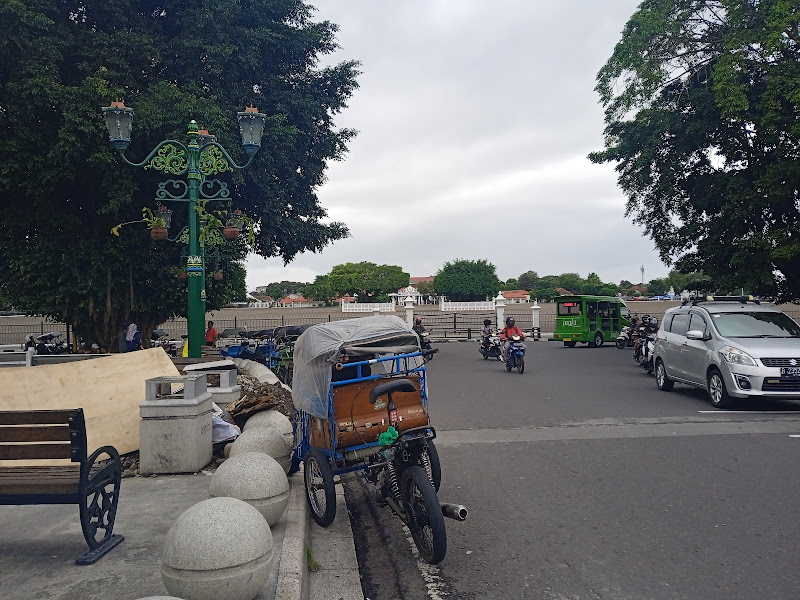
{"x":222,"y":431}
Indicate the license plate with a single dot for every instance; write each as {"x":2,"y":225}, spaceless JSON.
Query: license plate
{"x":790,"y":371}
{"x":567,"y":339}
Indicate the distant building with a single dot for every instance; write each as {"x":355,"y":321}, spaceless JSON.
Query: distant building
{"x":296,"y":301}
{"x":562,"y":292}
{"x":516,"y":296}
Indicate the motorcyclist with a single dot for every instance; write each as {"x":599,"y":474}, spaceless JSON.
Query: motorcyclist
{"x":419,"y":328}
{"x":649,"y":326}
{"x":486,"y":333}
{"x":509,"y":330}
{"x":637,"y":344}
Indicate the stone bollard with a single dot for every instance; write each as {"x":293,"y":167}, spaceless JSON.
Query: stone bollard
{"x":500,"y":307}
{"x":536,"y":330}
{"x":266,"y":440}
{"x":376,"y":312}
{"x":409,"y":304}
{"x":256,"y":478}
{"x":175,"y":430}
{"x":272,"y":418}
{"x":219,"y":549}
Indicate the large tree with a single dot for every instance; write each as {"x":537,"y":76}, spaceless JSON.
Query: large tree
{"x":366,"y":279}
{"x":467,"y":280}
{"x":62,"y":187}
{"x":702,"y":111}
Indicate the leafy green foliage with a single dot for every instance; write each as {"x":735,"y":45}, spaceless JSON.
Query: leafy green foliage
{"x":319,"y":290}
{"x":703,"y":123}
{"x":527,"y":280}
{"x":62,"y":188}
{"x":426,"y":288}
{"x":366,"y":279}
{"x":467,"y":280}
{"x":283,"y":288}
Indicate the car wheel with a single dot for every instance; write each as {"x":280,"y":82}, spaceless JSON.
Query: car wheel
{"x":597,"y":340}
{"x":717,"y":393}
{"x":663,"y":382}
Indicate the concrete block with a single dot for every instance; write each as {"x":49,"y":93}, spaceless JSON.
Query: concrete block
{"x":175,"y":431}
{"x":266,"y":440}
{"x":219,"y":549}
{"x":275,"y":419}
{"x":257,"y":479}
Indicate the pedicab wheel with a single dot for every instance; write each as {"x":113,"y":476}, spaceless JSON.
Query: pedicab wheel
{"x":425,"y":519}
{"x":320,"y":493}
{"x":621,"y":344}
{"x":521,"y":364}
{"x":435,"y":472}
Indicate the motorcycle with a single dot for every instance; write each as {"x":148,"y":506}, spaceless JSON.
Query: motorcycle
{"x":627,"y":337}
{"x":491,"y":348}
{"x":648,"y":346}
{"x":425,"y":341}
{"x":516,"y":354}
{"x":50,"y":344}
{"x":160,"y":339}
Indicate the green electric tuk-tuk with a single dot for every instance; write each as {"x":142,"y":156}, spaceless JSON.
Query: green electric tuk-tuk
{"x":589,"y":319}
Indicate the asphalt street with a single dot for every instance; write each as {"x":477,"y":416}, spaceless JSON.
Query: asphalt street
{"x":584,"y":481}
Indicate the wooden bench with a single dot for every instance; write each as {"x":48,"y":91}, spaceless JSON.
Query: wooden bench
{"x":91,"y":484}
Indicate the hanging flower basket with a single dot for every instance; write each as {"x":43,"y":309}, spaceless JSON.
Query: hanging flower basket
{"x":230,"y":233}
{"x":217,"y":275}
{"x":158,"y":233}
{"x":182,"y":275}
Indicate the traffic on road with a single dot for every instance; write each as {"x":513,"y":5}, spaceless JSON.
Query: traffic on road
{"x":584,"y":480}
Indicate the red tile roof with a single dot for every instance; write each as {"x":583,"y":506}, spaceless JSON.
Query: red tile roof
{"x":515,"y":294}
{"x":416,"y":280}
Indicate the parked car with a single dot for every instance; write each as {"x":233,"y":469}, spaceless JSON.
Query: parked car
{"x":731,"y":346}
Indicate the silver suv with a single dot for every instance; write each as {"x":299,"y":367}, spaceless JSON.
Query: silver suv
{"x":732,"y":347}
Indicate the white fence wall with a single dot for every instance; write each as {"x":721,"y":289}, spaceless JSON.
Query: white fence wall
{"x":459,"y":306}
{"x":367,"y":306}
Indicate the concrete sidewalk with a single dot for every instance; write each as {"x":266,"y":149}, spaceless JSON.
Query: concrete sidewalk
{"x":39,"y":545}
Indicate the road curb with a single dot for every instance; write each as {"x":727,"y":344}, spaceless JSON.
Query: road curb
{"x":293,"y":569}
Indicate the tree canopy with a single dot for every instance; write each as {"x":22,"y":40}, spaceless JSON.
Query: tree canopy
{"x":366,"y":279}
{"x":62,"y":187}
{"x":702,"y":113}
{"x":467,"y":280}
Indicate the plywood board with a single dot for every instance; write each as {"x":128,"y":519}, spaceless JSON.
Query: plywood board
{"x":108,"y":389}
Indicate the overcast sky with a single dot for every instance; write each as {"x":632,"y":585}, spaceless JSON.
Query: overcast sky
{"x":475,"y":118}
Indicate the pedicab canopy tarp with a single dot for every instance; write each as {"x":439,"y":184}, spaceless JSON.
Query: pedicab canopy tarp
{"x":318,"y":348}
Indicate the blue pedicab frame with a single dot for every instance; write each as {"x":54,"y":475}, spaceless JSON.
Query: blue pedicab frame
{"x":400,"y":367}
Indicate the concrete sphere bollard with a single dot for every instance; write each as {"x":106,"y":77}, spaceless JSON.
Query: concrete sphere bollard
{"x":226,"y":451}
{"x":266,"y":440}
{"x":274,"y":419}
{"x":219,"y":549}
{"x":256,"y":478}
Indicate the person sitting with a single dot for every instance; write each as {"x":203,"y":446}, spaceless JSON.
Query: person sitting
{"x":507,"y":333}
{"x":486,"y":333}
{"x":419,"y":328}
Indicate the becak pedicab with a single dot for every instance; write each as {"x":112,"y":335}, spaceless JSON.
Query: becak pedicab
{"x":361,"y":405}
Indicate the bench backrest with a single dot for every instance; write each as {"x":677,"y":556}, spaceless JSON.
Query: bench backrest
{"x":43,"y":434}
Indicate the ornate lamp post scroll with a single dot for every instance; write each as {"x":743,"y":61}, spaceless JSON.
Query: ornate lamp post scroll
{"x":201,"y":158}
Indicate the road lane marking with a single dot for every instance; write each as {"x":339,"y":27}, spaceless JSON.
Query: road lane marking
{"x":796,"y":436}
{"x":751,"y":412}
{"x":616,"y":431}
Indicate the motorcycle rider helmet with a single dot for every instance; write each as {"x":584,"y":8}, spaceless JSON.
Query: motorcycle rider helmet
{"x":653,"y":322}
{"x":487,"y":322}
{"x":418,"y":321}
{"x":510,"y":321}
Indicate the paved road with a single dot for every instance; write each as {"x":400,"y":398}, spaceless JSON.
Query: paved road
{"x":584,"y":481}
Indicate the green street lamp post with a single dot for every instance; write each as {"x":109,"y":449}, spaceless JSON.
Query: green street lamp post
{"x":201,"y":158}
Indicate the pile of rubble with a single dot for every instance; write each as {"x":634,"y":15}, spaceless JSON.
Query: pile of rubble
{"x":258,"y":396}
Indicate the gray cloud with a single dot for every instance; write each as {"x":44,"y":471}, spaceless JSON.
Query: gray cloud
{"x":475,"y":120}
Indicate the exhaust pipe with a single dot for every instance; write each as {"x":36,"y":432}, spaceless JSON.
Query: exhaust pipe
{"x":454,"y":511}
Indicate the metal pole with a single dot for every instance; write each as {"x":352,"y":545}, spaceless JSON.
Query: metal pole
{"x":196,"y":314}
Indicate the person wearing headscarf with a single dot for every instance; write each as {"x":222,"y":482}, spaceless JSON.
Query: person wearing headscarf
{"x":133,"y":338}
